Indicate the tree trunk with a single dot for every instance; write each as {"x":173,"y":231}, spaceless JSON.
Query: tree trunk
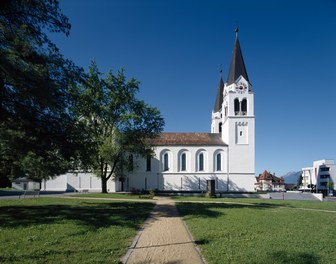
{"x":104,"y":184}
{"x":122,"y":185}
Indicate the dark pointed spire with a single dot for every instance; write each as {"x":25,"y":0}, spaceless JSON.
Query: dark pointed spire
{"x":220,"y":90}
{"x":237,"y":66}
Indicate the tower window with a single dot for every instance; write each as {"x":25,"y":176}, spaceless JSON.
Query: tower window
{"x":241,"y":133}
{"x":236,"y":106}
{"x":244,"y":107}
{"x":220,"y":127}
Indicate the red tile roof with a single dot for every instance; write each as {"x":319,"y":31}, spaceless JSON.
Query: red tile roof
{"x":188,"y":139}
{"x":266,"y":175}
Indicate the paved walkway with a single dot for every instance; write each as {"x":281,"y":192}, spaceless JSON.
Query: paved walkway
{"x":164,"y":239}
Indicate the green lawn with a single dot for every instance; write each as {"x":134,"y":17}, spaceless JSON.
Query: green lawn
{"x":267,"y":232}
{"x":265,"y":202}
{"x":56,"y":230}
{"x":7,"y":189}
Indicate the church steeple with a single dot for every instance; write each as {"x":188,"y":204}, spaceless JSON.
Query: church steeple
{"x":237,"y":66}
{"x":219,"y":96}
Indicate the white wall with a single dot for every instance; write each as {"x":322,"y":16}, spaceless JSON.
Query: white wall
{"x":76,"y":182}
{"x":191,"y":178}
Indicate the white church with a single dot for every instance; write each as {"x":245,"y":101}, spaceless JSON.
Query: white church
{"x":185,"y":161}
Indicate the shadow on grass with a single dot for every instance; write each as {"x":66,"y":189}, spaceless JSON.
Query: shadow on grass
{"x":202,"y":241}
{"x":298,"y":258}
{"x":205,"y":210}
{"x":92,"y":215}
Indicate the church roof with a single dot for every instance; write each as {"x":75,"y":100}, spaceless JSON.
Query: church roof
{"x":188,"y":139}
{"x":219,"y":96}
{"x":237,"y":66}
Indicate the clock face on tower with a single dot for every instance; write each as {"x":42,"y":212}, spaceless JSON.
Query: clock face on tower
{"x":241,"y":87}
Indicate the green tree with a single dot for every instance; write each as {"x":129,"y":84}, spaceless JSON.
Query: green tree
{"x":118,"y":123}
{"x":300,"y":181}
{"x":38,"y":132}
{"x":330,"y":185}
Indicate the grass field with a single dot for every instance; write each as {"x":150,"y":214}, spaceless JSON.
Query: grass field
{"x":52,"y":230}
{"x":262,"y":231}
{"x":263,"y":202}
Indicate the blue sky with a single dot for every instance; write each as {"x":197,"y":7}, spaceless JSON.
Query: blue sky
{"x":175,"y":48}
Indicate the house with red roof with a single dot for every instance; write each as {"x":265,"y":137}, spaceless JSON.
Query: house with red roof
{"x":269,"y":182}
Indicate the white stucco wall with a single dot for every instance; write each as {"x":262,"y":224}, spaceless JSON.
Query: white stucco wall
{"x":77,"y":182}
{"x":191,"y":178}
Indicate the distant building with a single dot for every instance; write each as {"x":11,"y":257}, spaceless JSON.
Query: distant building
{"x":269,"y":182}
{"x":24,"y":184}
{"x":319,"y":178}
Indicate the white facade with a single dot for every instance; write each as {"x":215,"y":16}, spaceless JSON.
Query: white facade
{"x":321,"y":175}
{"x":238,"y":126}
{"x":71,"y":182}
{"x":25,"y":184}
{"x":307,"y":178}
{"x":191,"y":177}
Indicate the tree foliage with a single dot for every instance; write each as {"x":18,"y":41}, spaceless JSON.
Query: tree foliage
{"x":118,"y":123}
{"x":38,"y":132}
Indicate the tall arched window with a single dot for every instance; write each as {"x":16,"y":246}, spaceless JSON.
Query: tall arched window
{"x":244,"y":106}
{"x":201,"y":162}
{"x":220,"y":127}
{"x":165,"y":162}
{"x":218,"y":162}
{"x":236,"y":106}
{"x":183,"y":162}
{"x":130,"y":163}
{"x":149,"y":163}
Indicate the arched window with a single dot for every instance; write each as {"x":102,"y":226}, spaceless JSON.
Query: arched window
{"x":236,"y":106}
{"x":130,"y":163}
{"x":201,"y":162}
{"x":165,"y":162}
{"x":244,"y":106}
{"x":218,"y":162}
{"x":149,"y":163}
{"x":183,"y":162}
{"x":220,"y":127}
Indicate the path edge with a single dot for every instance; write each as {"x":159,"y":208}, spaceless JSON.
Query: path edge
{"x":199,"y":252}
{"x":138,"y":235}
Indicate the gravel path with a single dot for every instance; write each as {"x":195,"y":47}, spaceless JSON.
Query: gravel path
{"x":164,"y":239}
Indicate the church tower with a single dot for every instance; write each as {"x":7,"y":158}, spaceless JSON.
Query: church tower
{"x":217,"y":113}
{"x":233,"y":117}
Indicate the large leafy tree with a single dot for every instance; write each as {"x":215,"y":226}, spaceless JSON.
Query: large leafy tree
{"x":119,"y":124}
{"x":38,"y":132}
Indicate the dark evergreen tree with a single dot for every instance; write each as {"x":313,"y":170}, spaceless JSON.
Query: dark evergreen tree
{"x":38,"y":132}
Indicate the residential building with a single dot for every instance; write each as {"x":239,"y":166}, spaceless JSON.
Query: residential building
{"x":321,"y":177}
{"x":269,"y":182}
